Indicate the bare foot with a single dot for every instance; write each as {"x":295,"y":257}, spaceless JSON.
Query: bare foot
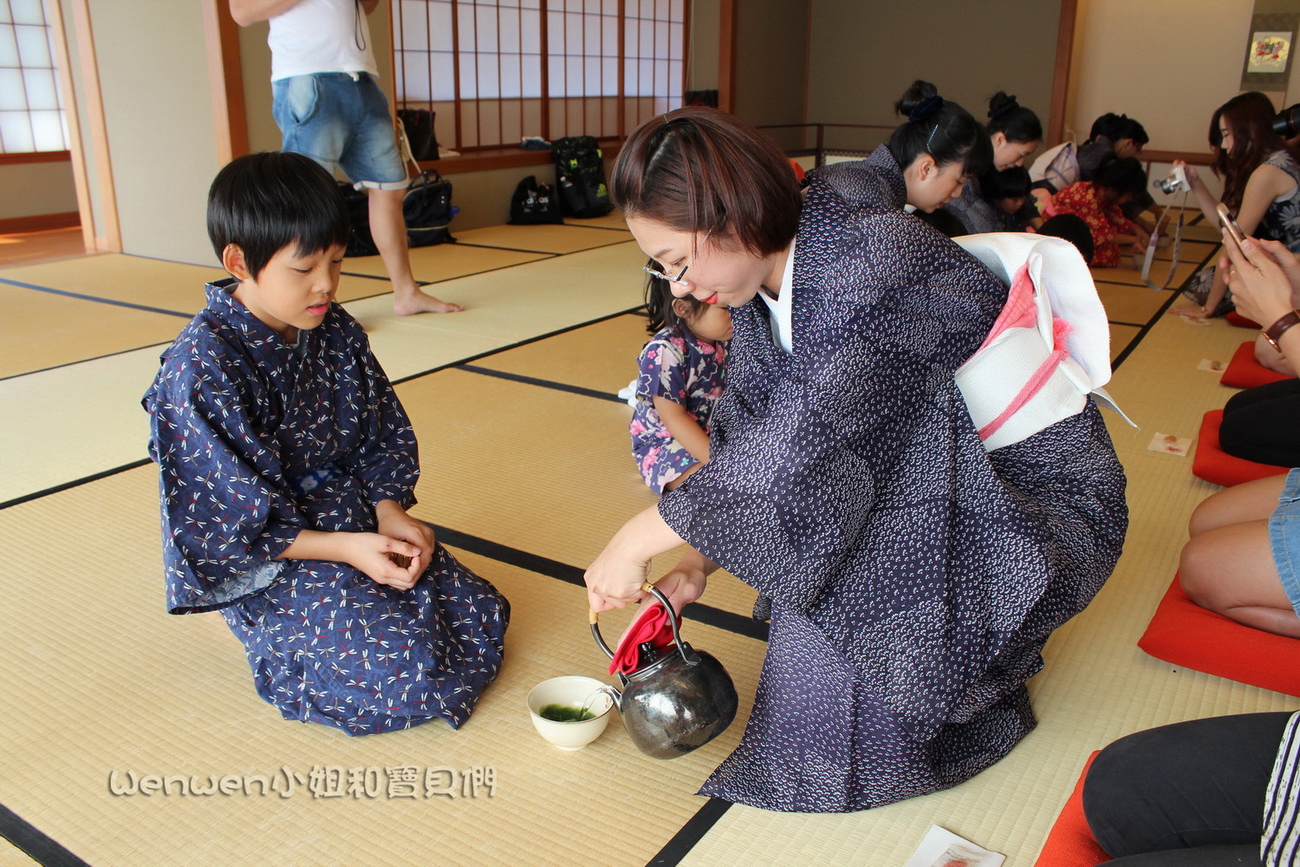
{"x":420,"y":301}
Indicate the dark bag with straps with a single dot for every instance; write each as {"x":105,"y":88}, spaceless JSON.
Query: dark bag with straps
{"x":533,"y":204}
{"x":428,"y":210}
{"x":420,"y":133}
{"x":359,"y":241}
{"x":580,"y":177}
{"x":426,"y":206}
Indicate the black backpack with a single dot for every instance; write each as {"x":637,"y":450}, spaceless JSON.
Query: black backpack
{"x":534,"y":203}
{"x":428,"y":210}
{"x":580,"y":177}
{"x":426,"y":206}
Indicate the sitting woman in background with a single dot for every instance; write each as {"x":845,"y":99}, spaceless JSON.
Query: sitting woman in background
{"x":1261,"y":174}
{"x":679,"y":380}
{"x":1100,"y":203}
{"x":1015,"y":133}
{"x":1243,"y":560}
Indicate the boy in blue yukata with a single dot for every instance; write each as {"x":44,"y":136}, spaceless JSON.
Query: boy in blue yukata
{"x":287,"y":466}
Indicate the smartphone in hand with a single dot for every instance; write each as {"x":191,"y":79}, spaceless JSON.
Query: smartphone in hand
{"x":1234,"y":231}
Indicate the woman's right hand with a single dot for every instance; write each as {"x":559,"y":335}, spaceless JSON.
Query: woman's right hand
{"x":1189,"y":171}
{"x":1263,"y":276}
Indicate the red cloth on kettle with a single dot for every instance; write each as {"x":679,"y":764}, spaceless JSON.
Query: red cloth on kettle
{"x":651,"y":625}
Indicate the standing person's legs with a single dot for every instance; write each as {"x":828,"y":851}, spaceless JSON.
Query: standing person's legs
{"x":1182,"y":786}
{"x":341,"y":122}
{"x":372,"y":160}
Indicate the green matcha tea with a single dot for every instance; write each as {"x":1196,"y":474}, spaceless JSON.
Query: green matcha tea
{"x":565,"y":713}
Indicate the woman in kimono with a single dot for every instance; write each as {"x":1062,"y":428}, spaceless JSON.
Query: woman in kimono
{"x":911,"y":577}
{"x":287,"y":466}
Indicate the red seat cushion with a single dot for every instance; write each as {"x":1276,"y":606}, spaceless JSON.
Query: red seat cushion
{"x":1245,"y":372}
{"x":1186,"y":634}
{"x":1070,"y":842}
{"x":1235,"y":318}
{"x":1215,"y":465}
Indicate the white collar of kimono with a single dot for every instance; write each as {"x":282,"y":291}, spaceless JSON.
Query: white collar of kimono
{"x":780,"y":306}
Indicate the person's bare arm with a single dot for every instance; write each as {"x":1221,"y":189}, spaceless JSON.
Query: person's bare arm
{"x":246,"y":12}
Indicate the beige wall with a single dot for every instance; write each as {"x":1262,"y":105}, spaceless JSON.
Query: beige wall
{"x":31,"y":189}
{"x":771,"y":60}
{"x":865,"y":54}
{"x":161,"y":131}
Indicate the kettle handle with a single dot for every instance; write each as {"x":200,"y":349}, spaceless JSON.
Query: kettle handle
{"x":594,"y":619}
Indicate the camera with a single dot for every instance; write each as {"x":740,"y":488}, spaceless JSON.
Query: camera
{"x":1176,"y":181}
{"x":1287,"y":122}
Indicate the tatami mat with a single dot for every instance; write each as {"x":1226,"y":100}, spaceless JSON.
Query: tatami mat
{"x":527,"y":466}
{"x":141,"y":692}
{"x":77,"y":329}
{"x":81,"y":419}
{"x":564,"y":459}
{"x":549,"y":238}
{"x":129,"y":279}
{"x":445,"y":262}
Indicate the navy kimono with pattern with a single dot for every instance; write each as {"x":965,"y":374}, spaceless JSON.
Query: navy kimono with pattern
{"x":255,"y":440}
{"x":912,"y":577}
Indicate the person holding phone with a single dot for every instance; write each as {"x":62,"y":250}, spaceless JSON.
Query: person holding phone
{"x":1261,"y":180}
{"x":1263,"y":424}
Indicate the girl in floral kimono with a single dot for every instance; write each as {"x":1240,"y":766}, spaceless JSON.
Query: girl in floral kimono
{"x":287,"y":467}
{"x":911,"y":577}
{"x":680,"y":375}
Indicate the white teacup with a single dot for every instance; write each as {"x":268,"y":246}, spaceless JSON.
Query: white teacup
{"x":576,"y":692}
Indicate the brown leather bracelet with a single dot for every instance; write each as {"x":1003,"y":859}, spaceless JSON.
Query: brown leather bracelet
{"x":1274,"y":332}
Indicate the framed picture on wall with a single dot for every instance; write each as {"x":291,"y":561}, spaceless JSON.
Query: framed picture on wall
{"x":1268,"y":56}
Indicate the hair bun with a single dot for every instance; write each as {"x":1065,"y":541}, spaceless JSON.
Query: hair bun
{"x":925,"y":108}
{"x":1001,"y":104}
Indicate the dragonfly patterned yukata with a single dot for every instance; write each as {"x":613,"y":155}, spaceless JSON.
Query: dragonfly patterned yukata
{"x":257,"y":439}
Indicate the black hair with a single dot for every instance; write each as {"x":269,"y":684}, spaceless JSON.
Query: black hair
{"x":1122,"y":175}
{"x":943,"y":220}
{"x":1108,"y":125}
{"x":659,"y":300}
{"x":1072,"y":228}
{"x":1133,"y":130}
{"x":264,"y":202}
{"x":942,"y":129}
{"x":1012,"y":183}
{"x":1013,"y":120}
{"x":701,"y":170}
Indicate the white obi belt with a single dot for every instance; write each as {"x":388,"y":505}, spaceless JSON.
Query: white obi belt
{"x":1050,"y":346}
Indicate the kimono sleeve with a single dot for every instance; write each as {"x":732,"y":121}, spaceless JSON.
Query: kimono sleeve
{"x":386,"y":458}
{"x":662,"y":370}
{"x":226,"y":510}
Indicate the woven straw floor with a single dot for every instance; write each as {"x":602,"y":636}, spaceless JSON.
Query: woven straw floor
{"x":526,"y":473}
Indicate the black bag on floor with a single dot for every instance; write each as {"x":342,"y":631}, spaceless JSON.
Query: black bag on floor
{"x":359,"y":241}
{"x":428,"y":210}
{"x":580,"y":177}
{"x":426,"y":206}
{"x":534,"y":203}
{"x":420,"y":134}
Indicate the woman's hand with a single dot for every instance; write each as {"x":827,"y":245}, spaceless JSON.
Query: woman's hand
{"x":615,"y":579}
{"x":1189,"y":171}
{"x":1262,"y":277}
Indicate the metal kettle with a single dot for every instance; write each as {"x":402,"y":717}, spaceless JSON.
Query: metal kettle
{"x":677,"y":700}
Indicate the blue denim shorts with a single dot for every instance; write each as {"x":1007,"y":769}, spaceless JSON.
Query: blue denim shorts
{"x":340,"y":122}
{"x":1284,"y":537}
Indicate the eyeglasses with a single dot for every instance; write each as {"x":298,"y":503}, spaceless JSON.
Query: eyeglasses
{"x":655,"y":272}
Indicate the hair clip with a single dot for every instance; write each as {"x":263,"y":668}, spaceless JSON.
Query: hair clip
{"x":925,"y":108}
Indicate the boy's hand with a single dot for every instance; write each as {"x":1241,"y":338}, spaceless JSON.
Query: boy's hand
{"x":370,"y":552}
{"x":396,"y":523}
